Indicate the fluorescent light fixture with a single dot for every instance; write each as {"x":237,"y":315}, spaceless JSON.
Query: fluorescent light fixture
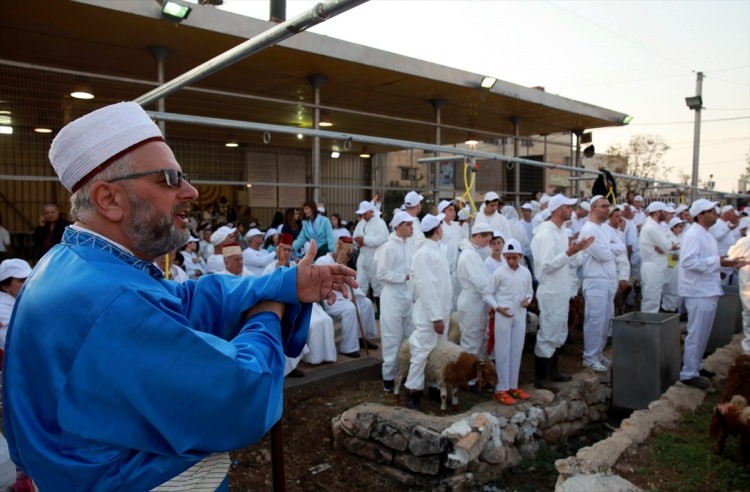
{"x":300,"y":136}
{"x":325,"y":119}
{"x":335,"y":154}
{"x":365,"y":154}
{"x":174,"y":11}
{"x":42,"y":129}
{"x":471,"y":139}
{"x":232,"y":144}
{"x":248,"y":185}
{"x":6,"y":130}
{"x":488,"y":82}
{"x":82,"y":90}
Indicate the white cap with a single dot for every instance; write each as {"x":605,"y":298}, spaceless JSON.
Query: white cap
{"x":429,"y":222}
{"x":701,"y":205}
{"x":364,"y":207}
{"x":545,"y":198}
{"x":463,"y":214}
{"x":193,"y":239}
{"x":491,"y":196}
{"x":512,"y":246}
{"x":401,"y":217}
{"x":321,"y":209}
{"x":656,"y":206}
{"x":544,"y":214}
{"x":481,"y":228}
{"x":675,"y":221}
{"x":444,"y":204}
{"x":585,"y":205}
{"x":527,"y":206}
{"x":558,"y":201}
{"x":638,"y":198}
{"x":14,"y":268}
{"x":220,"y":235}
{"x":727,"y":208}
{"x":92,"y":140}
{"x":252,"y":232}
{"x":412,"y":199}
{"x":270,"y":232}
{"x":681,"y":209}
{"x":594,"y":198}
{"x":498,"y":234}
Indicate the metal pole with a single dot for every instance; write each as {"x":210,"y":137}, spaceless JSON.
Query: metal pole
{"x":437,"y":104}
{"x":516,"y":120}
{"x":320,"y":13}
{"x":160,"y":53}
{"x":316,"y":81}
{"x":696,"y":137}
{"x":578,"y":163}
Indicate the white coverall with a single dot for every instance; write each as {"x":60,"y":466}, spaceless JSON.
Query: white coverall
{"x":433,"y":294}
{"x":497,"y":222}
{"x":699,"y":283}
{"x":475,"y":298}
{"x":511,"y":288}
{"x":742,"y":249}
{"x":393,"y":260}
{"x":725,"y":237}
{"x":344,"y":309}
{"x":599,"y":287}
{"x":670,"y":299}
{"x":653,"y":264}
{"x":452,"y":235}
{"x":374,"y":233}
{"x":551,"y":265}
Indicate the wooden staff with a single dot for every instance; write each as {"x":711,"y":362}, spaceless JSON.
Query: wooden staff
{"x":277,"y":456}
{"x":359,"y":321}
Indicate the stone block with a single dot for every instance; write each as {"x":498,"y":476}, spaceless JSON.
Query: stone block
{"x":424,"y":441}
{"x":599,"y":482}
{"x":509,"y":433}
{"x":601,"y":457}
{"x":367,"y":450}
{"x":556,"y":413}
{"x":391,"y":435}
{"x":684,"y":398}
{"x":485,"y":472}
{"x":577,"y":409}
{"x":426,"y":465}
{"x":494,"y":454}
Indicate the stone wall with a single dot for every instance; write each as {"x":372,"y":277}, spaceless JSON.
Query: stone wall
{"x":460,"y":451}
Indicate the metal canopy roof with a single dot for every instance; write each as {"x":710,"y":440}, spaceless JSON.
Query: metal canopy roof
{"x":112,"y":38}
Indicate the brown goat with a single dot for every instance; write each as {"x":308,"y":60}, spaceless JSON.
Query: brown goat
{"x":731,"y":416}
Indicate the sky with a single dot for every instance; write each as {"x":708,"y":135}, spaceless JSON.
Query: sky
{"x":636,"y":57}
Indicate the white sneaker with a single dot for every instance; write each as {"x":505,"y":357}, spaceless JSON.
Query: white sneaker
{"x":595,"y":366}
{"x":605,"y":361}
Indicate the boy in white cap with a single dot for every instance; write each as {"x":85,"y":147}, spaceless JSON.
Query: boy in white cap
{"x":653,"y":246}
{"x":369,"y":234}
{"x":452,"y":236}
{"x":600,"y":283}
{"x":490,"y":214}
{"x":122,"y":392}
{"x":670,"y":299}
{"x":393,"y":260}
{"x":413,"y":206}
{"x":13,"y":274}
{"x":476,"y":295}
{"x":699,"y":283}
{"x":512,"y":291}
{"x":552,"y":254}
{"x":432,"y":307}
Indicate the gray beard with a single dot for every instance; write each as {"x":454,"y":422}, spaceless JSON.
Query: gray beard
{"x":153,"y":235}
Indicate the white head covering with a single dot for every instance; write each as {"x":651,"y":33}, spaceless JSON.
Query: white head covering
{"x":401,"y":217}
{"x":443,"y":205}
{"x":481,"y":228}
{"x":558,"y":201}
{"x":221,"y":234}
{"x":364,"y":207}
{"x":656,"y":206}
{"x":701,"y":205}
{"x":14,"y":268}
{"x":412,"y":199}
{"x":512,"y":246}
{"x":429,"y":222}
{"x":83,"y":146}
{"x":491,"y":196}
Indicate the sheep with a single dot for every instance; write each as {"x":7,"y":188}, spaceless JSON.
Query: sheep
{"x":448,"y":366}
{"x":732,"y":418}
{"x":738,"y":379}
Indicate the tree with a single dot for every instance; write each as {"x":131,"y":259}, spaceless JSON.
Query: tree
{"x":641,"y":157}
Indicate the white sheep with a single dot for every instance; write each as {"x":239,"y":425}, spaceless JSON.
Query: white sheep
{"x":448,"y":366}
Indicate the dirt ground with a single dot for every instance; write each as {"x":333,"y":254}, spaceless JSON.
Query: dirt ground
{"x":310,"y":461}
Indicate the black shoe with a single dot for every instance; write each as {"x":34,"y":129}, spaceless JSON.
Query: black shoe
{"x":707,"y":374}
{"x":697,"y":382}
{"x":296,"y":373}
{"x":353,"y":355}
{"x":388,"y":385}
{"x":554,"y":372}
{"x":370,"y":345}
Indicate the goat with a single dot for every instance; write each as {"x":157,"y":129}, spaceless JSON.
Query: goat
{"x":449,"y":367}
{"x":732,"y":418}
{"x":738,"y":379}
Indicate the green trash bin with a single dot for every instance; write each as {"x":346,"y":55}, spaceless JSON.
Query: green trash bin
{"x":646,"y":357}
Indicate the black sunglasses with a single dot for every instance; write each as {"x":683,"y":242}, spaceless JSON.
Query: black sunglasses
{"x":173,"y":177}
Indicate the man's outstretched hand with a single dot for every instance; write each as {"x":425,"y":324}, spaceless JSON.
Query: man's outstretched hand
{"x":318,"y":282}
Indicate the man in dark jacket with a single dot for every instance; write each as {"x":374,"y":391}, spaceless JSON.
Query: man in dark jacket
{"x":50,"y":230}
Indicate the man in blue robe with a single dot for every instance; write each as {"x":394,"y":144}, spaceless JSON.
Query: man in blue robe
{"x":117,"y":379}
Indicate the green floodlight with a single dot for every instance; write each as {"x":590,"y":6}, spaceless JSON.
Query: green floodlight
{"x":175,"y":11}
{"x":626,"y":120}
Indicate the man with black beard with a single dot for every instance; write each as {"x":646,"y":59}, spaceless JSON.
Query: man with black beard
{"x":115,"y":378}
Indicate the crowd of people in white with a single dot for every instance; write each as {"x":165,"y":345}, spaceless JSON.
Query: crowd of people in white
{"x":484,"y":269}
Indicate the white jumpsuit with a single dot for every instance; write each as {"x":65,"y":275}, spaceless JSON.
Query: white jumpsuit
{"x":475,"y":298}
{"x":653,"y":264}
{"x":344,"y":310}
{"x":742,"y":249}
{"x":670,"y":299}
{"x":393,"y":260}
{"x":374,"y":233}
{"x":511,"y":288}
{"x":599,"y":286}
{"x":452,"y":235}
{"x":433,"y":294}
{"x":552,"y":269}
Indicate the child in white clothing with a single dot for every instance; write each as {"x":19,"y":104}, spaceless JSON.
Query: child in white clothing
{"x":513,"y":293}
